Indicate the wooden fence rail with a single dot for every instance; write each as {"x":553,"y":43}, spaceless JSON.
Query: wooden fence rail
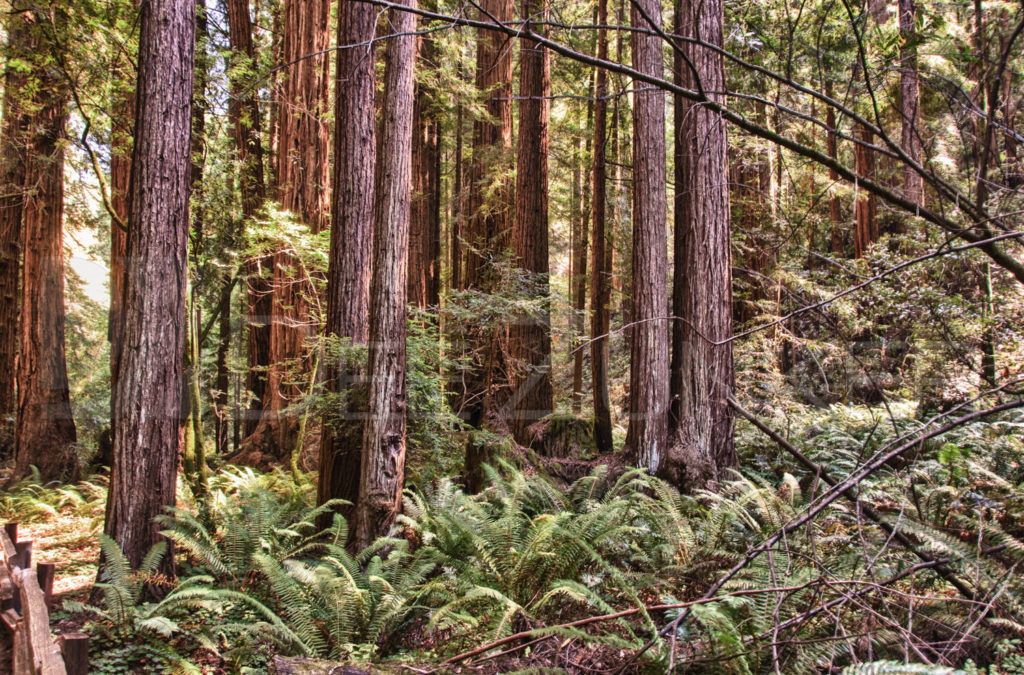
{"x":25,"y":598}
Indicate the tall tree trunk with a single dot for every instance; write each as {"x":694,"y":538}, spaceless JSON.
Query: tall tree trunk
{"x":702,"y":372}
{"x":425,"y":228}
{"x":348,"y":274}
{"x":578,"y":275}
{"x":488,"y":226}
{"x":222,"y":399}
{"x":601,"y":258}
{"x":122,"y":126}
{"x":12,"y":184}
{"x":649,"y":369}
{"x":865,"y":230}
{"x":302,"y":189}
{"x":244,"y":116}
{"x":835,"y":214}
{"x":458,"y":212}
{"x":45,"y":433}
{"x":530,"y":339}
{"x":910,"y":101}
{"x":142,"y":482}
{"x":193,"y":447}
{"x":383,"y":468}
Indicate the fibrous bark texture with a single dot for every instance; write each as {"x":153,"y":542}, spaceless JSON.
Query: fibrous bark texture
{"x":142,"y":483}
{"x":45,"y":434}
{"x":12,"y":183}
{"x":383,"y":467}
{"x":648,"y":375}
{"x":702,"y":372}
{"x":348,"y":274}
{"x":601,"y":251}
{"x":532,"y":396}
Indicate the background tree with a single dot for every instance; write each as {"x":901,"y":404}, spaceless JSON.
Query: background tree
{"x":45,"y":435}
{"x":12,"y":182}
{"x":530,"y":336}
{"x":302,"y":189}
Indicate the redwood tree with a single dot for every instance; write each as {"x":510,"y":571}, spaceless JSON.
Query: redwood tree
{"x":910,"y":101}
{"x":348,"y":273}
{"x":142,"y":483}
{"x":425,"y":228}
{"x":302,"y":189}
{"x":383,"y":467}
{"x":12,"y":182}
{"x":487,"y":227}
{"x":530,"y":339}
{"x":648,"y":373}
{"x":601,"y":251}
{"x":45,"y":433}
{"x":702,"y":372}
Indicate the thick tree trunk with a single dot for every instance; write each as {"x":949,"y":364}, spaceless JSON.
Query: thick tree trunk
{"x":383,"y":468}
{"x":45,"y":434}
{"x":865,"y":230}
{"x":601,"y":258}
{"x":702,"y":373}
{"x":142,"y":482}
{"x":425,"y":228}
{"x":649,"y":368}
{"x":348,"y":275}
{"x":302,"y":189}
{"x":12,"y":184}
{"x":530,"y":338}
{"x":910,"y":101}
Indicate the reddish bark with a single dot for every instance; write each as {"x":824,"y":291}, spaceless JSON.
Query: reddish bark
{"x":649,"y":366}
{"x":383,"y":467}
{"x":530,"y":339}
{"x":45,"y":434}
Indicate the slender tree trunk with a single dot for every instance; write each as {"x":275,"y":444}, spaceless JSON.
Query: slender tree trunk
{"x":122,"y":126}
{"x":348,"y":274}
{"x":244,"y":115}
{"x":302,"y":189}
{"x":455,"y":245}
{"x":383,"y":467}
{"x":425,"y":229}
{"x":222,"y":400}
{"x":488,"y":226}
{"x":649,"y":367}
{"x":835,"y":213}
{"x":601,"y":259}
{"x":702,"y":373}
{"x":45,"y":433}
{"x":530,"y":343}
{"x":193,"y":448}
{"x":866,"y":225}
{"x":578,"y":286}
{"x":12,"y":184}
{"x":142,"y":482}
{"x":910,"y":101}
